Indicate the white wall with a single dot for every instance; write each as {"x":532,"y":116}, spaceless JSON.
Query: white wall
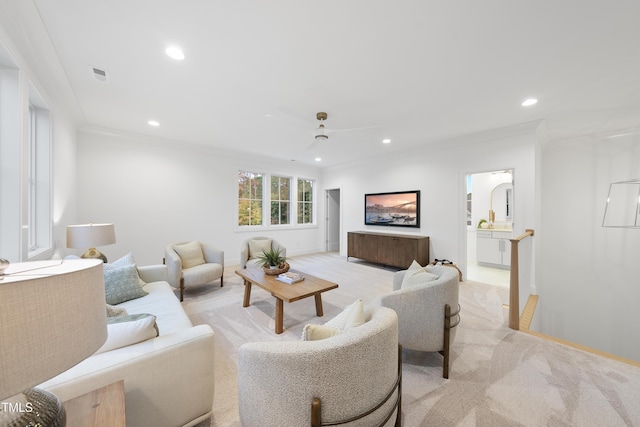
{"x":590,"y":283}
{"x":440,"y":173}
{"x":158,"y":192}
{"x":24,"y":40}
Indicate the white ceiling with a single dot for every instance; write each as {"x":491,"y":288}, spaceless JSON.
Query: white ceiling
{"x":419,"y":71}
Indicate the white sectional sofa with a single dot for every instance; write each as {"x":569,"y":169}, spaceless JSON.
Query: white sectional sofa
{"x":169,"y":379}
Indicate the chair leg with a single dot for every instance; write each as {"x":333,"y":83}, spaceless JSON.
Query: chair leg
{"x":316,"y":415}
{"x":181,"y":289}
{"x":399,"y":410}
{"x":447,"y":340}
{"x":222,"y":281}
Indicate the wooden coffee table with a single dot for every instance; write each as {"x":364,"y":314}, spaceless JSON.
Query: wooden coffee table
{"x":310,"y":286}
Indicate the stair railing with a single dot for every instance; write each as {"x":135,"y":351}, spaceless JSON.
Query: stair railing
{"x":514,"y":283}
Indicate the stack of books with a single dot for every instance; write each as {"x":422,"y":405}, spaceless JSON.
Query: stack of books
{"x":290,"y":277}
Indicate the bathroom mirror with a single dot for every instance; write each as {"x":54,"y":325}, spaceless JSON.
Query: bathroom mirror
{"x":502,"y":202}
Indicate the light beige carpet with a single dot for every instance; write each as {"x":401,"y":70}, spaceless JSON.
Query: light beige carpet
{"x":498,"y":377}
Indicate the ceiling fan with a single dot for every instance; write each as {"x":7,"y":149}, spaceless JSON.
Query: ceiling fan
{"x":321,"y":133}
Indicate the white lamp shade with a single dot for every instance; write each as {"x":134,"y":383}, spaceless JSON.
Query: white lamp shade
{"x":90,"y":235}
{"x":52,"y":316}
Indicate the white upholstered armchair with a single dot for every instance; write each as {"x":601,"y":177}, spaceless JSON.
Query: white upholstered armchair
{"x":302,"y":383}
{"x":428,"y":312}
{"x":252,"y":248}
{"x":193,"y":263}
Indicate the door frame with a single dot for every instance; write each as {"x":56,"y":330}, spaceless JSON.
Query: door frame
{"x":332,"y":220}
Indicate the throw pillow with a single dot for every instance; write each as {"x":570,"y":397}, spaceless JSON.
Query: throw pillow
{"x":113,"y":311}
{"x":122,"y":262}
{"x":130,"y":329}
{"x":351,"y":317}
{"x":121,"y":284}
{"x":190,"y":254}
{"x":257,"y":246}
{"x":318,"y":332}
{"x":416,"y":275}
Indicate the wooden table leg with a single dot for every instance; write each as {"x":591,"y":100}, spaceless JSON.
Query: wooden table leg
{"x":247,"y":293}
{"x":319,"y":310}
{"x":279,"y":315}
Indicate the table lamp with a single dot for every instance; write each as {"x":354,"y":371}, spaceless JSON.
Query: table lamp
{"x":52,"y":316}
{"x":90,"y":236}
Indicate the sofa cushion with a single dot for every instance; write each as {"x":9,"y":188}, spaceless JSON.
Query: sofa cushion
{"x":190,"y":254}
{"x":313,"y":332}
{"x":350,"y":317}
{"x":416,"y":275}
{"x":257,"y":246}
{"x":129,"y":329}
{"x":162,"y":302}
{"x":122,"y":284}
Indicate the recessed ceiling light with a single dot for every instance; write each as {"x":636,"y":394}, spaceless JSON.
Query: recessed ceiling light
{"x":529,"y":102}
{"x":386,"y":141}
{"x":153,"y":123}
{"x":318,"y":159}
{"x":175,"y":52}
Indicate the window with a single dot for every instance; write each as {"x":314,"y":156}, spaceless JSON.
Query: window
{"x":305,"y":201}
{"x":270,"y":200}
{"x":249,"y":198}
{"x":280,"y":200}
{"x":39,"y":184}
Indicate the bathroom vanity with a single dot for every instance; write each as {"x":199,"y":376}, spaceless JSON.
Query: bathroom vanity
{"x":494,"y":247}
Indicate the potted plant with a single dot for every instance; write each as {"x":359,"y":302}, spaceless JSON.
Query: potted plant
{"x":271,"y":259}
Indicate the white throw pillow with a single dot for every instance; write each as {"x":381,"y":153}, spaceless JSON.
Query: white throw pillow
{"x":190,"y":254}
{"x":350,"y":317}
{"x":313,"y":332}
{"x":257,"y":246}
{"x":129,"y":329}
{"x":416,"y":275}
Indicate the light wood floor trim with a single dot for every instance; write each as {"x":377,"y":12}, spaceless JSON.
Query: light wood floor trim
{"x":584,"y":348}
{"x":527,"y":313}
{"x":525,"y":322}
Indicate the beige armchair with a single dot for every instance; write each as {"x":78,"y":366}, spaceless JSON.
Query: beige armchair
{"x":352,"y":377}
{"x":248,"y":257}
{"x":193,"y":263}
{"x":427,"y":312}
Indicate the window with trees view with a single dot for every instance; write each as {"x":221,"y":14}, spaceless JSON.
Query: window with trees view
{"x":305,"y":201}
{"x":265,"y":200}
{"x":280,"y":200}
{"x":249,"y":198}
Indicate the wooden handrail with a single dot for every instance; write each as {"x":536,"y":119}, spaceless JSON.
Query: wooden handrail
{"x":514,"y":285}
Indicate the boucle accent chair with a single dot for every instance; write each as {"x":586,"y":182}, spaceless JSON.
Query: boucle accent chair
{"x":193,"y":263}
{"x":423,"y":322}
{"x":348,"y":375}
{"x":247,"y":256}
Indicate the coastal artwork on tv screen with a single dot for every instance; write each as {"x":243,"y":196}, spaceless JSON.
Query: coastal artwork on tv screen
{"x":400,"y":209}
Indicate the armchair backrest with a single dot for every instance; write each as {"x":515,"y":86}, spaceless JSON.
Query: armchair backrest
{"x":246,"y":255}
{"x":277,"y":381}
{"x":174,"y":264}
{"x":421,"y":309}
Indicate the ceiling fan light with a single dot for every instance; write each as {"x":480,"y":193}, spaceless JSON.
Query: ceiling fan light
{"x":321,"y":137}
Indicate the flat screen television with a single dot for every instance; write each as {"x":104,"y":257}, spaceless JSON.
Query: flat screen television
{"x":397,"y":209}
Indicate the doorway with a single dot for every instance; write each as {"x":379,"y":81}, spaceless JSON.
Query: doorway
{"x":489,"y":224}
{"x":332,"y":215}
